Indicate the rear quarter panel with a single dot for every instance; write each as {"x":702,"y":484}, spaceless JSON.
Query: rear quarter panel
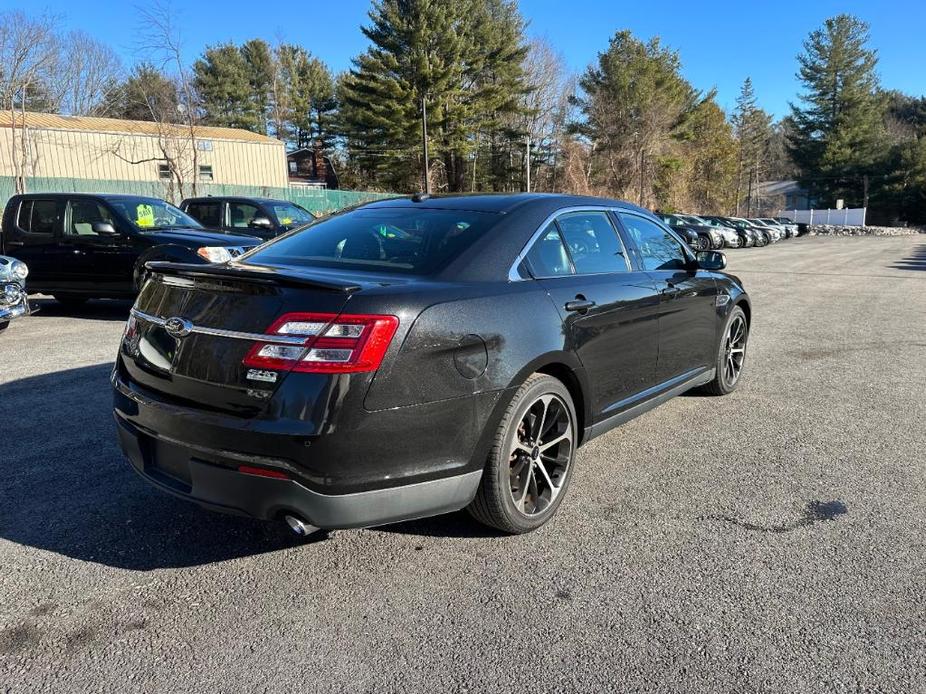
{"x":461,"y":346}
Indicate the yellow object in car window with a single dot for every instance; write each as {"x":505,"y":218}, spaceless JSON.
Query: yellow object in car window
{"x":286,"y":220}
{"x":144,"y":215}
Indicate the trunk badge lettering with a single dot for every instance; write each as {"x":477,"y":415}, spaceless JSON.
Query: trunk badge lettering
{"x":178,"y":327}
{"x":265,"y":376}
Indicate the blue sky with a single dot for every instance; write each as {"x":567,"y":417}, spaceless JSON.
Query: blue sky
{"x":720,"y":43}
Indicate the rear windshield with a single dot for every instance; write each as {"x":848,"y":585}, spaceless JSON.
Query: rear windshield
{"x":402,"y":240}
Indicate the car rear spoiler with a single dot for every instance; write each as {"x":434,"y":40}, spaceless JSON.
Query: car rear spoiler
{"x":251,"y":274}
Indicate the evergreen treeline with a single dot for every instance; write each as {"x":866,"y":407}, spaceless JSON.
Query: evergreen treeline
{"x":501,"y":107}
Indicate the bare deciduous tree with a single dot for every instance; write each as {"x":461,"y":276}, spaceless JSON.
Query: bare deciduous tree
{"x":29,"y":54}
{"x":163,"y":40}
{"x":89,"y":73}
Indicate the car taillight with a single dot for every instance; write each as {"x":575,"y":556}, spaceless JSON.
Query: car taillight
{"x":333,"y":343}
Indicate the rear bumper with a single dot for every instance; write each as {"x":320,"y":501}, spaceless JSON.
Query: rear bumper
{"x":211,"y":479}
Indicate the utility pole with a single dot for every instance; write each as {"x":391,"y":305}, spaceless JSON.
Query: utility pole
{"x":865,"y":191}
{"x":424,"y":138}
{"x":642,"y":163}
{"x":528,"y":161}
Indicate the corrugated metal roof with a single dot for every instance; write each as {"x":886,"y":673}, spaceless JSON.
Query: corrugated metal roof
{"x":49,"y":121}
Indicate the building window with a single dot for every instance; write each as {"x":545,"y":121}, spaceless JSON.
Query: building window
{"x":292,"y":166}
{"x":204,"y":145}
{"x":164,"y":171}
{"x":205,"y":172}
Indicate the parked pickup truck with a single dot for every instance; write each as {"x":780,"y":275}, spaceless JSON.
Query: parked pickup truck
{"x":263,"y":217}
{"x":81,"y":246}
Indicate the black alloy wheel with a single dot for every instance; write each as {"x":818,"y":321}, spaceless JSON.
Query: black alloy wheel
{"x":731,"y":355}
{"x":531,"y":461}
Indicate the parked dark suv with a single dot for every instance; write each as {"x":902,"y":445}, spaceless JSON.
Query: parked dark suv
{"x":263,"y":217}
{"x":82,"y":246}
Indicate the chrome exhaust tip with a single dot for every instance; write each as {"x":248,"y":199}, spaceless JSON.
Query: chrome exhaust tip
{"x":299,"y":526}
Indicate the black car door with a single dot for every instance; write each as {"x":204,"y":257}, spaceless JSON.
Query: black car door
{"x":609,"y":310}
{"x":98,"y":261}
{"x":688,"y":315}
{"x":34,"y":239}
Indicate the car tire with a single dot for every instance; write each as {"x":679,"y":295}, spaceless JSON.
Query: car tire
{"x":731,"y":354}
{"x":520,"y":488}
{"x":3,"y":325}
{"x":71,"y":301}
{"x":704,"y":243}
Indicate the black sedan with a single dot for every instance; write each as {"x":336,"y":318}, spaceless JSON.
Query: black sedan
{"x":417,"y":356}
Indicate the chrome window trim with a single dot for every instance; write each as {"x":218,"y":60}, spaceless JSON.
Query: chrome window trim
{"x":515,"y":276}
{"x":232,"y":334}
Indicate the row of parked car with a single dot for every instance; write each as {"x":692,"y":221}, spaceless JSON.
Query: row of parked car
{"x":712,"y":232}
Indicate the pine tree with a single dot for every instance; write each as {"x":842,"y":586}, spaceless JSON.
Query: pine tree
{"x":460,"y":59}
{"x":710,"y":151}
{"x":222,"y":78}
{"x":147,"y":94}
{"x":635,"y":103}
{"x":838,"y":126}
{"x":259,"y":63}
{"x":753,"y":130}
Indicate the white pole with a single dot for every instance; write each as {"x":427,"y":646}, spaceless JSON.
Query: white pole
{"x":528,"y":162}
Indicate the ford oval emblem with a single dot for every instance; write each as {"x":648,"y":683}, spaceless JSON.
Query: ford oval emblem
{"x":178,"y":327}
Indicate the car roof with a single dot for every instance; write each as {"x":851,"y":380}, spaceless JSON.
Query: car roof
{"x":501,"y":203}
{"x":244,"y":198}
{"x":104,"y":196}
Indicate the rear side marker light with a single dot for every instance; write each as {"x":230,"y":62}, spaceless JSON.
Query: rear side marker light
{"x":333,"y":343}
{"x":262,"y":472}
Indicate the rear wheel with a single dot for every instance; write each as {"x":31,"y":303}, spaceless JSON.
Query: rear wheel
{"x":731,"y":356}
{"x":71,"y":301}
{"x":530,"y":464}
{"x":3,"y":325}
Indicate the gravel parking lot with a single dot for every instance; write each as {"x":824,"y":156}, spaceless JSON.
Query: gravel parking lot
{"x":773,"y":540}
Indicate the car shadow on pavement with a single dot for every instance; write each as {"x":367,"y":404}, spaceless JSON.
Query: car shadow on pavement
{"x":66,"y":487}
{"x":458,"y":525}
{"x":915,"y":261}
{"x":101,"y":309}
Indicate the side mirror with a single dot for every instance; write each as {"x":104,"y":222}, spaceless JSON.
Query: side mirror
{"x":260,"y":223}
{"x":103,"y":228}
{"x":712,"y":260}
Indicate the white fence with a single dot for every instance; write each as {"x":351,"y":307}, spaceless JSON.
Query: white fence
{"x":847,"y":217}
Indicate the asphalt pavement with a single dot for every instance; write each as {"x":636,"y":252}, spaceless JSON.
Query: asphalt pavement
{"x":769,"y":541}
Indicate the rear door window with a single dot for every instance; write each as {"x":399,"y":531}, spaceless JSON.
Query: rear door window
{"x":548,"y":256}
{"x":593,"y":242}
{"x":39,"y":216}
{"x":208,"y":214}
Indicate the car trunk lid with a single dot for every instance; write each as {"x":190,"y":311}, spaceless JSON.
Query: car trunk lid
{"x":193,"y":326}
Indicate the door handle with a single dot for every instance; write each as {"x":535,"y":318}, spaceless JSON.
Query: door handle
{"x":580,"y":305}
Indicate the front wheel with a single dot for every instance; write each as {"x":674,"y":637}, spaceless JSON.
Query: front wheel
{"x":530,"y":464}
{"x":731,"y":356}
{"x":3,"y":325}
